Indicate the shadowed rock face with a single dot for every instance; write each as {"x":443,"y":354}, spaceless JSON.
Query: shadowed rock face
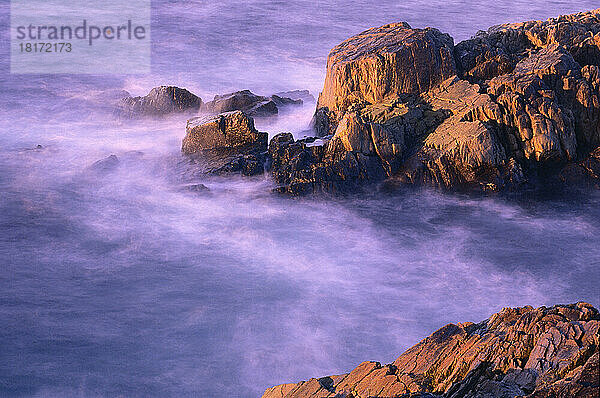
{"x":391,"y":59}
{"x":316,"y":165}
{"x":160,"y":101}
{"x":543,"y":352}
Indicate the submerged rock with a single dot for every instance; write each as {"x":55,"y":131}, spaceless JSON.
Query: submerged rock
{"x":226,"y":143}
{"x":108,"y":164}
{"x":160,"y":101}
{"x":198,"y":188}
{"x":543,"y":352}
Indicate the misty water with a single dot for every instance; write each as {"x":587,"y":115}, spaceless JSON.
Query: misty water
{"x":123,"y":283}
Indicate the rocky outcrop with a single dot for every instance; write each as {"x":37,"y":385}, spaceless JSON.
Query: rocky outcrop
{"x":389,"y":60}
{"x":226,"y":143}
{"x":506,"y":109}
{"x":518,"y":352}
{"x":160,"y":101}
{"x":497,"y":51}
{"x":250,"y":103}
{"x":516,"y":106}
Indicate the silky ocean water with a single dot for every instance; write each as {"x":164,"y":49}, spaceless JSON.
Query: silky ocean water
{"x":122,"y":283}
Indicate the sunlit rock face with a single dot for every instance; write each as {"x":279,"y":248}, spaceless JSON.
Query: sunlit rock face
{"x":496,"y":51}
{"x":384,"y":61}
{"x":228,"y":142}
{"x":543,"y":352}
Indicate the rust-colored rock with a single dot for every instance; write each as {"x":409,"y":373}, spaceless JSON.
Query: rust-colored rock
{"x":525,"y":103}
{"x":543,"y":352}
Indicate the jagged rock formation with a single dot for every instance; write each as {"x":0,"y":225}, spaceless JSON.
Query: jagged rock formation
{"x":250,"y":103}
{"x":510,"y":107}
{"x":496,"y":51}
{"x":518,"y":352}
{"x":316,"y":165}
{"x":160,"y":101}
{"x":228,"y":142}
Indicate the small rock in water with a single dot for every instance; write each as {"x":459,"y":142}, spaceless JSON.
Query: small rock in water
{"x":226,"y":143}
{"x":245,"y":101}
{"x":303,"y":95}
{"x":197,"y":188}
{"x":250,"y":103}
{"x":160,"y":101}
{"x":107,"y":164}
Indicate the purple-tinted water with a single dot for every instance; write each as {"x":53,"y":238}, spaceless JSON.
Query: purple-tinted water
{"x":123,"y":284}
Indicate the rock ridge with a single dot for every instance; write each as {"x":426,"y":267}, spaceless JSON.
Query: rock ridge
{"x":518,"y":352}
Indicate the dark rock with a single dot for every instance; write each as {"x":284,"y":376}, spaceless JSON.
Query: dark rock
{"x":250,"y":103}
{"x":585,"y":173}
{"x":199,"y":188}
{"x":319,"y":165}
{"x":245,"y":101}
{"x":160,"y":101}
{"x":284,"y":101}
{"x":543,"y":352}
{"x":303,"y":95}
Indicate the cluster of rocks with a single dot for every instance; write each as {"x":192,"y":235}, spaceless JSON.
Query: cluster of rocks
{"x":164,"y":100}
{"x":256,"y":105}
{"x":518,"y":352}
{"x":517,"y":105}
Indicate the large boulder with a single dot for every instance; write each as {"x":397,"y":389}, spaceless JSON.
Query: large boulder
{"x":226,"y":143}
{"x":226,"y":130}
{"x":543,"y":352}
{"x":160,"y":101}
{"x":390,"y":60}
